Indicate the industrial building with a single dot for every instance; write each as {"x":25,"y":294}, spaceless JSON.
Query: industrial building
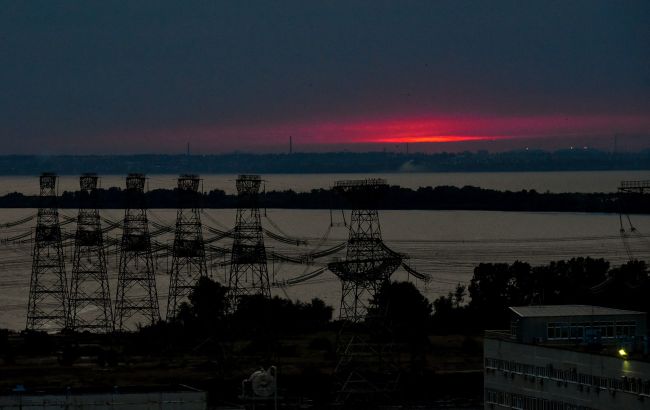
{"x":568,"y":357}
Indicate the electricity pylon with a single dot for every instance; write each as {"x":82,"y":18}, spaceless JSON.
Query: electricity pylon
{"x":248,"y":267}
{"x":365,"y":369}
{"x":188,"y":251}
{"x":46,"y":309}
{"x":368,"y":263}
{"x":137,"y":297}
{"x":90,"y":299}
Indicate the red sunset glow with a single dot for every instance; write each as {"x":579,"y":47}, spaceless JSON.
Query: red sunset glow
{"x":459,"y":129}
{"x":425,"y":130}
{"x":433,"y":139}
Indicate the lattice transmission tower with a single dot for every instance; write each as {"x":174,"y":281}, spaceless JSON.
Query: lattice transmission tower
{"x":47,"y":310}
{"x":188,"y":251}
{"x":368,"y":262}
{"x":366,"y":370}
{"x":90,"y":298}
{"x":137,"y":298}
{"x":248,"y":266}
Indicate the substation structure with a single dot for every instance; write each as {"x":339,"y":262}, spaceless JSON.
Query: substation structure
{"x":47,"y":310}
{"x":188,"y":250}
{"x":90,"y":297}
{"x":136,"y":283}
{"x":639,"y":187}
{"x":627,"y":228}
{"x":249,"y":272}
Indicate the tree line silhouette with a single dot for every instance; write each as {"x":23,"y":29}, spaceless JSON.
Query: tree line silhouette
{"x":496,"y":286}
{"x":399,"y":198}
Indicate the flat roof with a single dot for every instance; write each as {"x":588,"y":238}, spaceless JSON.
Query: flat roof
{"x":569,"y":310}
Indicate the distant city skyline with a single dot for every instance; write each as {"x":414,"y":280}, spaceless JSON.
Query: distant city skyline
{"x":149,"y":77}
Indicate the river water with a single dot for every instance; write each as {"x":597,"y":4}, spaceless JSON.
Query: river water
{"x":445,"y":244}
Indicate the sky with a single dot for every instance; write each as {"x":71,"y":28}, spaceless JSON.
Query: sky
{"x":151,"y":76}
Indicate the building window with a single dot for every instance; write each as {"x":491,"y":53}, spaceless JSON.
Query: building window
{"x":578,"y":331}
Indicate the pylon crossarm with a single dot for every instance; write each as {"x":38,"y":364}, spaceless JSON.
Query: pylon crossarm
{"x":365,"y":270}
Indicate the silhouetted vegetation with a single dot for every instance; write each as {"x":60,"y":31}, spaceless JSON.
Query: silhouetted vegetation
{"x":496,"y":286}
{"x":438,"y":198}
{"x":213,"y":346}
{"x":206,"y":311}
{"x":208,"y":314}
{"x":405,"y":310}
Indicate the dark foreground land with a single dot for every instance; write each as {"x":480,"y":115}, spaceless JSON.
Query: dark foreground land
{"x":451,"y":370}
{"x":436,"y":346}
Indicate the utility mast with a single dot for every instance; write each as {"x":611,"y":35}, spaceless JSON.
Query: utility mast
{"x":248,"y":267}
{"x":136,"y":283}
{"x":46,"y":309}
{"x":368,"y":263}
{"x":188,"y":251}
{"x":366,"y":371}
{"x":90,"y":300}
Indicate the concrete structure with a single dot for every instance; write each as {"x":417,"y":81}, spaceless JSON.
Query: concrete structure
{"x":568,"y":357}
{"x":182,"y":399}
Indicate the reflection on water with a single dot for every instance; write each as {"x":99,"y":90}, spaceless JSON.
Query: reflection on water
{"x":446,"y":244}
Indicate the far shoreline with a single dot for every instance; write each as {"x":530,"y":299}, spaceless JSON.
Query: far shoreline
{"x":439,"y":198}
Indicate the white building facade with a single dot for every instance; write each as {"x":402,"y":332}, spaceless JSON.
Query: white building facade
{"x":596,"y":360}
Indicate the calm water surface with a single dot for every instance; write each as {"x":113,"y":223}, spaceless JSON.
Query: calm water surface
{"x":445,"y":244}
